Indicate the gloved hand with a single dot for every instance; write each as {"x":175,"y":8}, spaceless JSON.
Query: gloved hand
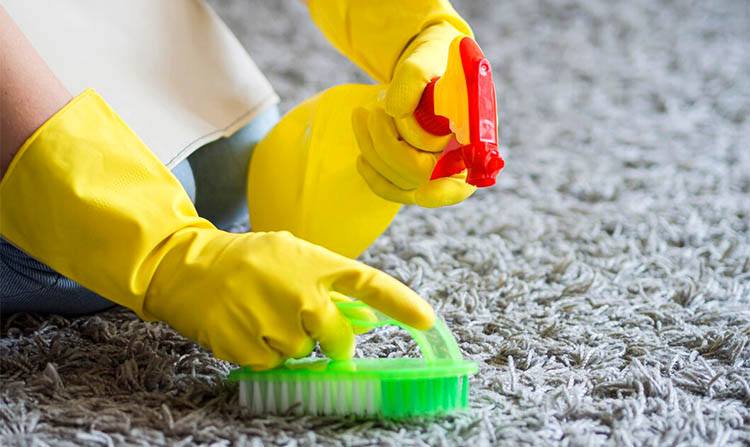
{"x":403,"y":45}
{"x":258,"y":298}
{"x":423,"y":60}
{"x":398,"y":171}
{"x":85,"y":196}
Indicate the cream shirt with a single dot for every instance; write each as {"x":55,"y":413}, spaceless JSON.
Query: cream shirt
{"x":171,"y":68}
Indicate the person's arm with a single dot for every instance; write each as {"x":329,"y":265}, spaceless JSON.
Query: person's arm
{"x":382,"y":38}
{"x":29,"y":92}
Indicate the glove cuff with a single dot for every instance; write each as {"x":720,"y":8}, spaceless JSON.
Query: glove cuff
{"x":86,"y":196}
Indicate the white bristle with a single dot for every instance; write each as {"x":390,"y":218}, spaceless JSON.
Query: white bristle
{"x":298,"y":399}
{"x":312,"y":397}
{"x":327,"y":398}
{"x":357,"y":407}
{"x":319,"y":391}
{"x":257,"y":407}
{"x":341,"y":403}
{"x":270,"y":398}
{"x":243,"y":394}
{"x":364,"y":398}
{"x":315,"y":397}
{"x":285,"y":404}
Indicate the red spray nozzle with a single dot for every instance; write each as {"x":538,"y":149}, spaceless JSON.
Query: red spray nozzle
{"x":479,"y":155}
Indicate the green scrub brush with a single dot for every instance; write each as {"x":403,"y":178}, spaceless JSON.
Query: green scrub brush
{"x":383,"y":387}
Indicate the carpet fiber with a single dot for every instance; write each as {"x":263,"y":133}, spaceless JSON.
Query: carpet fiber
{"x":603,"y":286}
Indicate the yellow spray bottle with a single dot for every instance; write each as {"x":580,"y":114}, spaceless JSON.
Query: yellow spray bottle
{"x":303,"y":176}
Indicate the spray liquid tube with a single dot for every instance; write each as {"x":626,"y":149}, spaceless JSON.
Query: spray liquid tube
{"x":459,"y":112}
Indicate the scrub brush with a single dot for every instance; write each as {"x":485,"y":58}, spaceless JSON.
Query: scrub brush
{"x":371,"y":387}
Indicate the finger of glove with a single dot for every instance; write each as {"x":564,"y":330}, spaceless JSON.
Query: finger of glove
{"x":408,"y":83}
{"x":333,"y":332}
{"x":239,"y":345}
{"x":367,"y":148}
{"x":382,"y":186}
{"x":434,"y":194}
{"x":425,"y":59}
{"x":255,"y":363}
{"x":444,"y":192}
{"x":294,"y":346}
{"x":408,"y":162}
{"x":354,"y":313}
{"x":384,"y":293}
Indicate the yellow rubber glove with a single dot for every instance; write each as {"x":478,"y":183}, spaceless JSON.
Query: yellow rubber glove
{"x":401,"y":43}
{"x":423,"y":60}
{"x":404,"y":45}
{"x":87,"y":197}
{"x":398,"y":171}
{"x":375,"y":34}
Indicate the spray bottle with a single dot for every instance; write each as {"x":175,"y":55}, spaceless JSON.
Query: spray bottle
{"x":457,"y":115}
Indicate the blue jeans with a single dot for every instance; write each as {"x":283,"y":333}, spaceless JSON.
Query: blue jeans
{"x":215,"y":178}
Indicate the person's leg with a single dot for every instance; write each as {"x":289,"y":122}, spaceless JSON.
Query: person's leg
{"x":220,"y":170}
{"x":27,"y":285}
{"x":184,"y":174}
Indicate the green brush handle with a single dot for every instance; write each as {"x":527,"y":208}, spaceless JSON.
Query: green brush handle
{"x":436,"y":343}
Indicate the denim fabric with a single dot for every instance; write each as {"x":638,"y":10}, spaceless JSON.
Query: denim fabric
{"x":215,"y":178}
{"x":220,"y":172}
{"x":27,"y":285}
{"x":184,"y":173}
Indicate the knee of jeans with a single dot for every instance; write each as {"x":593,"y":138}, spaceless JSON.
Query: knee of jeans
{"x":220,"y":171}
{"x":184,"y":174}
{"x":27,"y":285}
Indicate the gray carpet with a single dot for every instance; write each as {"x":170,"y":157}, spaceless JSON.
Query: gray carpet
{"x":603,"y":285}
